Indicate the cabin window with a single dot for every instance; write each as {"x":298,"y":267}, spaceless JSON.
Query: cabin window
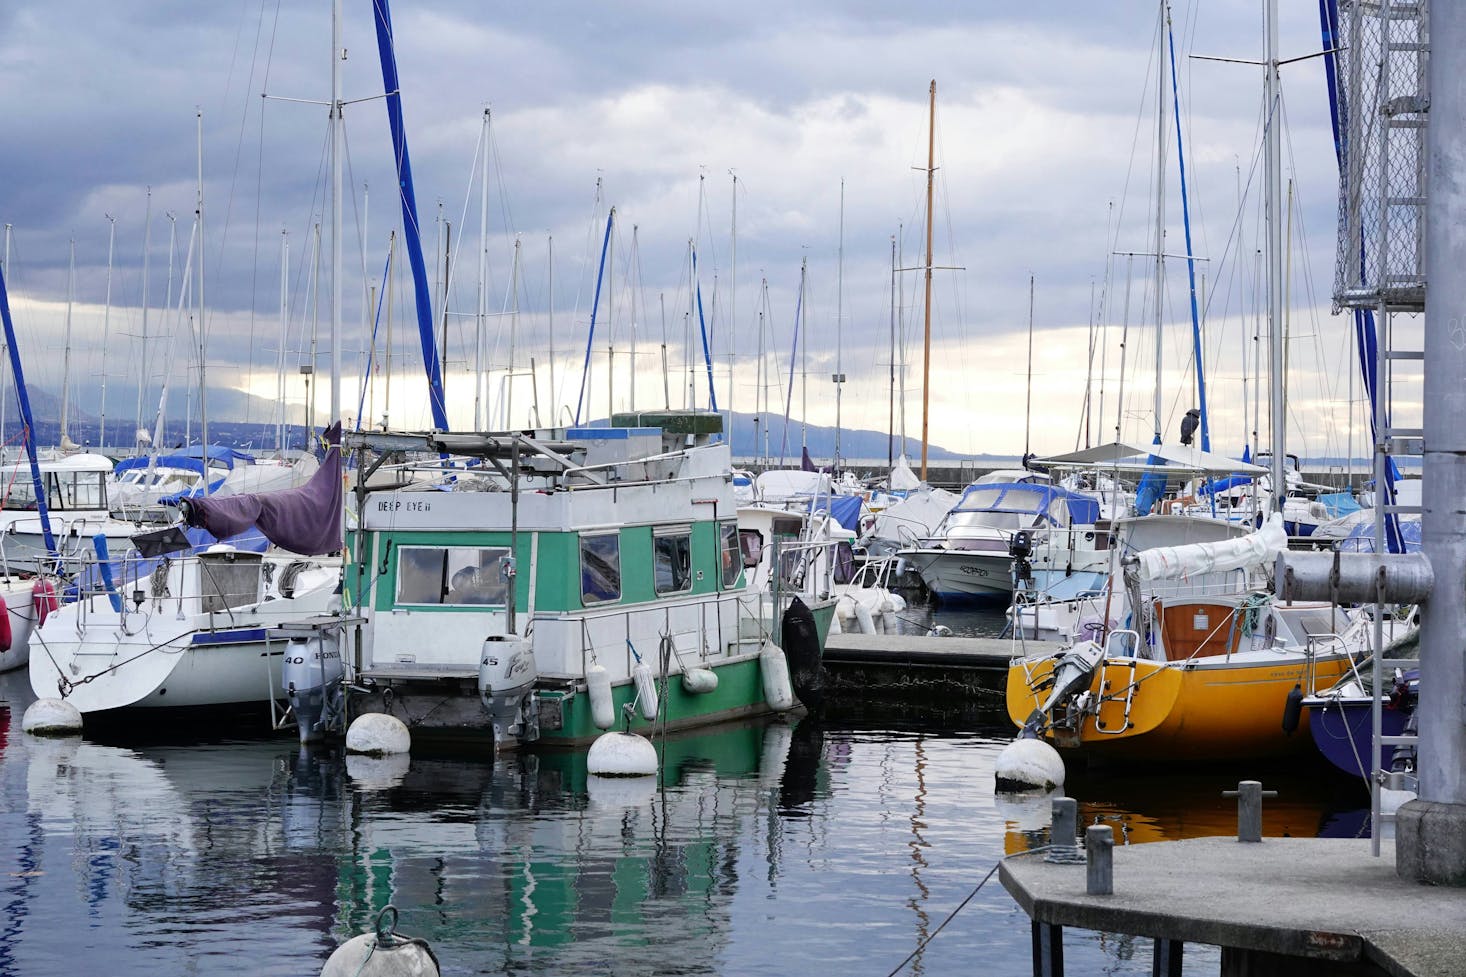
{"x":673,"y":561}
{"x":472,"y":575}
{"x":600,"y":568}
{"x":735,"y":543}
{"x":751,"y":544}
{"x":229,"y":580}
{"x":83,"y":490}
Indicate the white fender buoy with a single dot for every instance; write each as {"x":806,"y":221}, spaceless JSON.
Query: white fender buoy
{"x":51,"y":717}
{"x":377,"y":772}
{"x":845,"y":608}
{"x":1028,"y":764}
{"x":598,"y":686}
{"x":773,"y":666}
{"x":378,"y":734}
{"x":383,"y":953}
{"x":835,"y":627}
{"x":646,"y":690}
{"x":699,"y":681}
{"x":865,"y":618}
{"x":618,"y":754}
{"x":893,"y":603}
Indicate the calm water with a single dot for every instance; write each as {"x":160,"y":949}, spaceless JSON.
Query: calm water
{"x":803,"y":849}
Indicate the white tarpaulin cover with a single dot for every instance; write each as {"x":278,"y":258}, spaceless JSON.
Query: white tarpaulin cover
{"x":1121,"y":456}
{"x":902,"y":478}
{"x":1253,"y":550}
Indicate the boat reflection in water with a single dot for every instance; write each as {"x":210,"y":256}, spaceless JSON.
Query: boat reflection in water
{"x":1143,"y":809}
{"x":819,"y":849}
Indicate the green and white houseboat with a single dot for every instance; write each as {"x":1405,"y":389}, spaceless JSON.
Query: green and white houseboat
{"x":545,"y":586}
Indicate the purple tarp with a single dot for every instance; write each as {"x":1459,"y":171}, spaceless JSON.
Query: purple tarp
{"x":305,"y":520}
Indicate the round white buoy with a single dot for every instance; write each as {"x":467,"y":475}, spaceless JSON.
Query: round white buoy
{"x":377,"y":772}
{"x":377,"y":734}
{"x":598,"y":687}
{"x":51,"y":717}
{"x":845,"y":608}
{"x":893,"y":604}
{"x":1028,"y":764}
{"x":622,"y":755}
{"x":383,"y":953}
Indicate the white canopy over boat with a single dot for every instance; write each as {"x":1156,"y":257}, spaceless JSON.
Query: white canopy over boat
{"x":1126,"y":457}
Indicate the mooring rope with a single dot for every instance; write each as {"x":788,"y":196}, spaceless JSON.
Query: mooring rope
{"x":963,"y":904}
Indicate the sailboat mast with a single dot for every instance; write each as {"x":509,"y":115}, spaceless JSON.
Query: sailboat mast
{"x":732,"y":311}
{"x":1274,"y":168}
{"x":106,"y":328}
{"x":926,"y":354}
{"x":202,"y":331}
{"x":1028,"y":397}
{"x":66,"y":350}
{"x":891,"y":394}
{"x":839,"y":325}
{"x":142,"y":379}
{"x":1160,"y":207}
{"x":513,"y":339}
{"x":284,"y":327}
{"x":483,"y":279}
{"x":338,"y":54}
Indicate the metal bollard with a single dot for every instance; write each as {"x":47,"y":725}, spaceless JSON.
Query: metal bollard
{"x":1064,"y":829}
{"x":1099,"y":846}
{"x":1249,"y":794}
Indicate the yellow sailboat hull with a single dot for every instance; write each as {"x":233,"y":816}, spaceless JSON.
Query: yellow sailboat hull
{"x":1209,"y":709}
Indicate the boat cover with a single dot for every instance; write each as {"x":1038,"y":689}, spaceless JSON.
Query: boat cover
{"x":1254,"y":549}
{"x":305,"y":520}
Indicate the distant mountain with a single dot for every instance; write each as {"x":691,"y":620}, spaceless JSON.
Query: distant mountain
{"x":767,"y":439}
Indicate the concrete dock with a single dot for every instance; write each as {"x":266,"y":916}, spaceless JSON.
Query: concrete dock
{"x":935,"y":679}
{"x":1294,"y":906}
{"x":918,"y":651}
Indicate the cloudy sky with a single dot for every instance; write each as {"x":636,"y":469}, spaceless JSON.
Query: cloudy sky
{"x":1045,"y":147}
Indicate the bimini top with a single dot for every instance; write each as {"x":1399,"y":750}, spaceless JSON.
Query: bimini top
{"x":1123,"y":456}
{"x":1058,"y":505}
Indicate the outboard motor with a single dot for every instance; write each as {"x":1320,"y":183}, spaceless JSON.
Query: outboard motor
{"x":1072,"y":674}
{"x":506,"y":677}
{"x":311,"y":677}
{"x":1020,"y":547}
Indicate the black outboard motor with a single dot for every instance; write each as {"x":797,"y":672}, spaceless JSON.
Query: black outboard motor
{"x":1020,"y":547}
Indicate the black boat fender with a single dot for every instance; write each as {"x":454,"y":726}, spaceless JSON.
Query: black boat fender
{"x":801,"y":643}
{"x":1293,"y":710}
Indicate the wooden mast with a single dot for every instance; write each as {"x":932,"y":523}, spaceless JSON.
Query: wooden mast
{"x":926,"y":355}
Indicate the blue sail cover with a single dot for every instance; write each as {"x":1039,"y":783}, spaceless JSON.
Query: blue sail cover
{"x":1152,"y":485}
